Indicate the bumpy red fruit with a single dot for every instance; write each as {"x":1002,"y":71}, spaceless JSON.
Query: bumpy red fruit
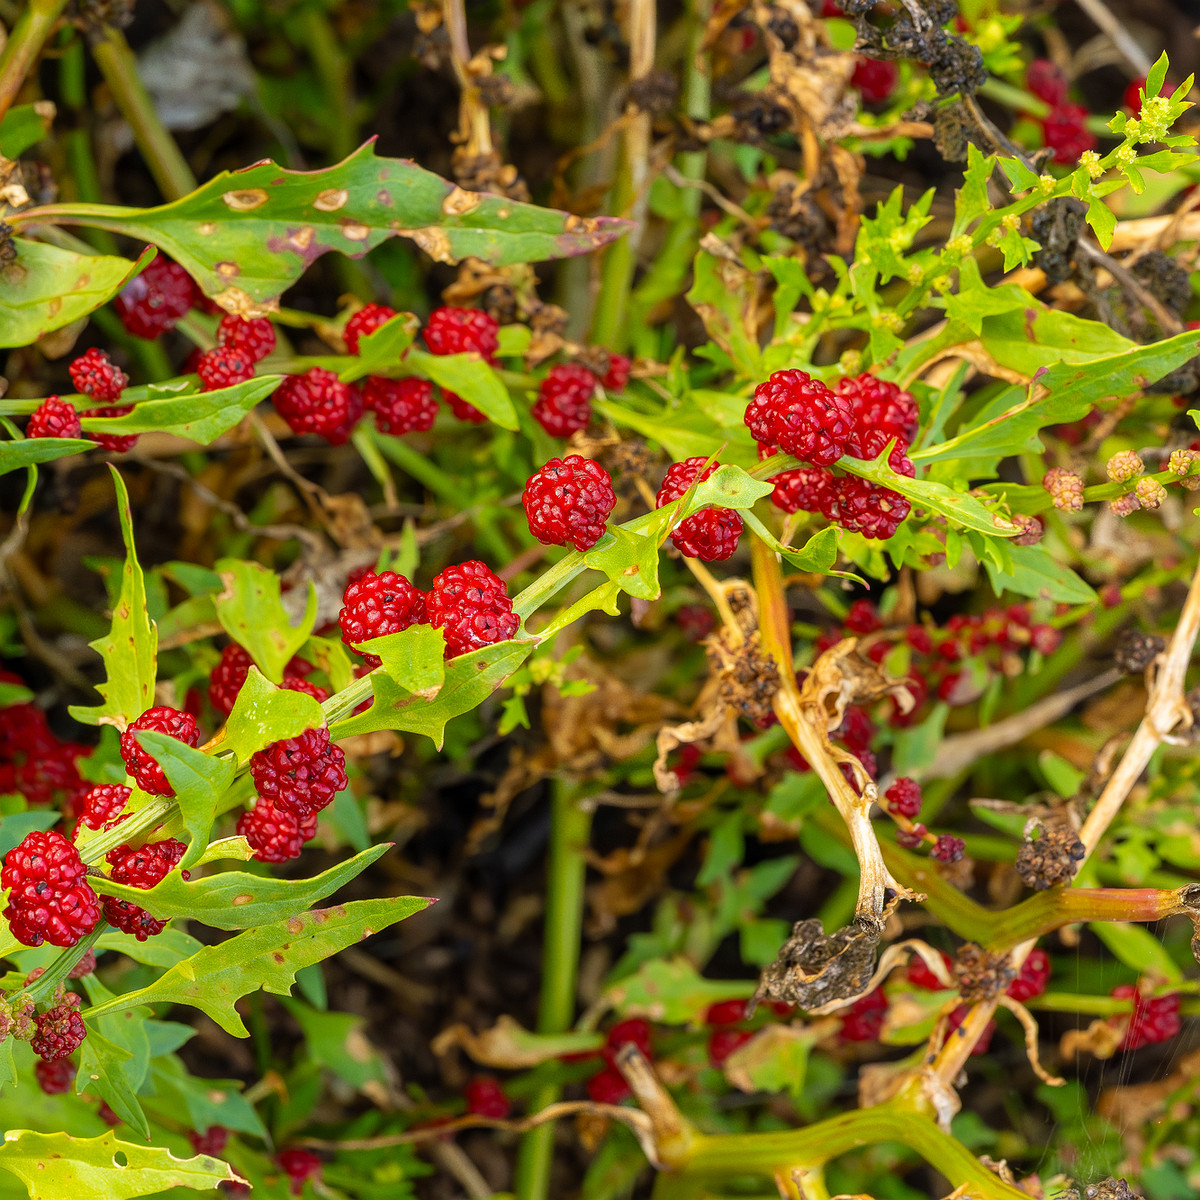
{"x":1155,"y":1018}
{"x":118,"y":443}
{"x":56,"y":1077}
{"x":293,"y":683}
{"x":904,"y":798}
{"x":920,"y":975}
{"x":54,"y":418}
{"x":24,"y":731}
{"x":300,"y":775}
{"x":948,"y":848}
{"x":378,"y":604}
{"x":880,"y":404}
{"x":863,"y":507}
{"x":1046,"y":81}
{"x":864,"y":1019}
{"x":401,"y":405}
{"x":875,"y":80}
{"x":724,"y":1042}
{"x":144,"y":866}
{"x":485,"y":1098}
{"x":712,"y":533}
{"x":862,"y":617}
{"x":725,"y":1012}
{"x":564,"y":404}
{"x":84,"y":967}
{"x":617,"y":375}
{"x":142,"y":766}
{"x":1064,"y":132}
{"x":254,"y":337}
{"x":211,"y":1142}
{"x":801,"y":416}
{"x":633,"y":1032}
{"x":569,"y":500}
{"x":457,"y":331}
{"x":102,"y":802}
{"x":274,"y":836}
{"x":94,"y":374}
{"x":228,"y":677}
{"x":60,"y":1030}
{"x":49,"y":898}
{"x":151,"y":303}
{"x":1033,"y":977}
{"x":368,"y":319}
{"x":299,"y":1165}
{"x":318,"y":402}
{"x":223,"y":367}
{"x":470,"y":605}
{"x":608,"y":1087}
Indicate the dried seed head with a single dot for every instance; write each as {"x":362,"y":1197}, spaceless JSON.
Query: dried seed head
{"x":1135,"y":651}
{"x":1052,"y":858}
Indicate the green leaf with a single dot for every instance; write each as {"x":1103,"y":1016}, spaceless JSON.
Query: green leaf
{"x":470,"y":679}
{"x":817,"y":555}
{"x":1103,"y":221}
{"x":163,"y":950}
{"x":130,"y":649}
{"x":24,"y":126}
{"x":198,"y":779}
{"x":685,"y":431}
{"x":415,"y":658}
{"x":54,"y":1166}
{"x":238,"y":899}
{"x":251,"y":611}
{"x":629,"y":559}
{"x":268,"y":957}
{"x":336,"y":1041}
{"x":468,"y":376}
{"x":113,"y":1062}
{"x":45,"y":288}
{"x":201,"y":416}
{"x":381,"y":350}
{"x":1064,"y":777}
{"x":725,"y":296}
{"x":26,"y":452}
{"x":264,"y":713}
{"x":1036,"y":572}
{"x":15,"y":826}
{"x":1157,"y":76}
{"x":672,"y":992}
{"x":1044,"y":337}
{"x":246,"y":236}
{"x":199,"y":1102}
{"x":727,"y":487}
{"x":1138,"y":949}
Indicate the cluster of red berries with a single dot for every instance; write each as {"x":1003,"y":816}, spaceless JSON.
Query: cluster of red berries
{"x":569,"y":500}
{"x":151,"y":302}
{"x":468,"y":602}
{"x":59,"y":1031}
{"x":564,"y":403}
{"x":798,"y":415}
{"x":140,"y":867}
{"x":228,"y":678}
{"x":241,"y":344}
{"x":1064,"y":128}
{"x":1155,"y":1018}
{"x":49,"y":896}
{"x":95,"y":376}
{"x":712,"y":533}
{"x":143,"y":766}
{"x":608,"y":1085}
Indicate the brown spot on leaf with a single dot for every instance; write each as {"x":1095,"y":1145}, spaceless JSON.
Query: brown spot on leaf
{"x":295,"y":925}
{"x":206,"y":228}
{"x":278,"y":958}
{"x":82,"y":282}
{"x":356,"y":231}
{"x":319,"y":916}
{"x":433,"y":241}
{"x":504,"y":213}
{"x":331,"y":199}
{"x":302,"y":238}
{"x":54,"y":306}
{"x":246,"y":200}
{"x":240,"y":303}
{"x":384,"y":197}
{"x":228,"y":270}
{"x":242,"y":898}
{"x":460,"y":201}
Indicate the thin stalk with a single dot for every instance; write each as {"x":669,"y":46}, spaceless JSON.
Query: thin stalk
{"x":569,"y":832}
{"x":163,"y":157}
{"x":24,"y":45}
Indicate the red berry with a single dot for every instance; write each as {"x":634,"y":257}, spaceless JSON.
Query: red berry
{"x":42,"y":778}
{"x":856,"y":730}
{"x":1045,"y":638}
{"x":862,"y":618}
{"x":153,"y":301}
{"x":1033,"y":977}
{"x":94,"y":374}
{"x":144,"y":866}
{"x":911,"y":839}
{"x":878,"y":404}
{"x":24,"y":732}
{"x":102,"y":802}
{"x":711,"y":534}
{"x":376,"y":605}
{"x":60,"y":1030}
{"x":228,"y":677}
{"x":54,"y":418}
{"x":725,"y":1012}
{"x":299,"y":1165}
{"x":55,"y":1077}
{"x":569,"y":500}
{"x":400,"y":405}
{"x":117,"y":443}
{"x":84,"y":967}
{"x":1155,"y":1018}
{"x":470,"y":605}
{"x":869,"y":444}
{"x":458,"y":330}
{"x":1046,"y":82}
{"x":695,"y":622}
{"x":564,"y":403}
{"x":368,"y":319}
{"x":917,"y":636}
{"x":874,"y":79}
{"x":617,"y":375}
{"x":864,"y":507}
{"x":919,"y":974}
{"x":293,"y":683}
{"x":608,"y":1087}
{"x":723,"y":1042}
{"x":1064,"y":132}
{"x":254,"y":337}
{"x":801,"y":416}
{"x":49,"y":898}
{"x":142,"y":766}
{"x":463,"y":410}
{"x":948,"y":849}
{"x":864,"y":1019}
{"x":485,"y":1098}
{"x":275,"y":836}
{"x":300,"y":775}
{"x":632,"y":1032}
{"x":904,"y":798}
{"x":223,"y":367}
{"x":318,"y":402}
{"x":211,"y":1142}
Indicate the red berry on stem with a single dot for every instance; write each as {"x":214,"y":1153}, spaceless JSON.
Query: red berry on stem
{"x":470,"y":604}
{"x":151,"y":303}
{"x":875,"y":80}
{"x":228,"y":677}
{"x":49,"y":898}
{"x":223,"y":367}
{"x":54,"y":418}
{"x":142,"y":867}
{"x":608,"y":1087}
{"x":801,"y":416}
{"x":318,"y":402}
{"x":142,"y":766}
{"x":880,"y":405}
{"x":59,"y":1030}
{"x":1046,"y":82}
{"x":904,"y":798}
{"x":724,"y":1042}
{"x":1033,"y":977}
{"x":862,"y":618}
{"x":84,"y":967}
{"x":55,"y":1077}
{"x":864,"y":507}
{"x":400,"y":405}
{"x":617,"y":375}
{"x":920,"y":975}
{"x":864,"y":1018}
{"x":378,"y":604}
{"x":300,"y":775}
{"x":457,"y":331}
{"x":299,"y":1165}
{"x":117,"y":443}
{"x":211,"y":1142}
{"x":711,"y":534}
{"x":564,"y":404}
{"x":1064,"y":132}
{"x":725,"y":1012}
{"x":569,"y":500}
{"x":485,"y":1098}
{"x":275,"y":836}
{"x":94,"y":374}
{"x":948,"y":849}
{"x":368,"y":319}
{"x":254,"y":337}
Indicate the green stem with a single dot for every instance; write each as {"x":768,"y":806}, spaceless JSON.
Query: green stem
{"x":1014,"y":97}
{"x":570,"y":830}
{"x":119,"y":67}
{"x":413,"y":462}
{"x":24,"y":45}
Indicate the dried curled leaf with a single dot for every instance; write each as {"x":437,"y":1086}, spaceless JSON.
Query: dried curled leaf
{"x":815,"y":968}
{"x":508,"y":1046}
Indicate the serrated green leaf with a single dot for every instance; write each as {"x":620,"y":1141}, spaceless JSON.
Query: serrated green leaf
{"x":264,"y":713}
{"x":251,"y":611}
{"x":45,"y":288}
{"x":245,"y":236}
{"x":470,"y":679}
{"x":1103,"y":221}
{"x":728,"y":486}
{"x":54,"y":1166}
{"x":198,"y":780}
{"x":200,"y":416}
{"x":238,"y":899}
{"x":1036,"y":572}
{"x":630,"y":560}
{"x":468,"y":376}
{"x":415,"y":658}
{"x":26,"y":452}
{"x":130,"y":648}
{"x":817,"y":555}
{"x":725,"y":296}
{"x":266,"y":958}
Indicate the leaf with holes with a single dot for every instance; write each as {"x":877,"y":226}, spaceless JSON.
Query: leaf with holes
{"x":246,"y":236}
